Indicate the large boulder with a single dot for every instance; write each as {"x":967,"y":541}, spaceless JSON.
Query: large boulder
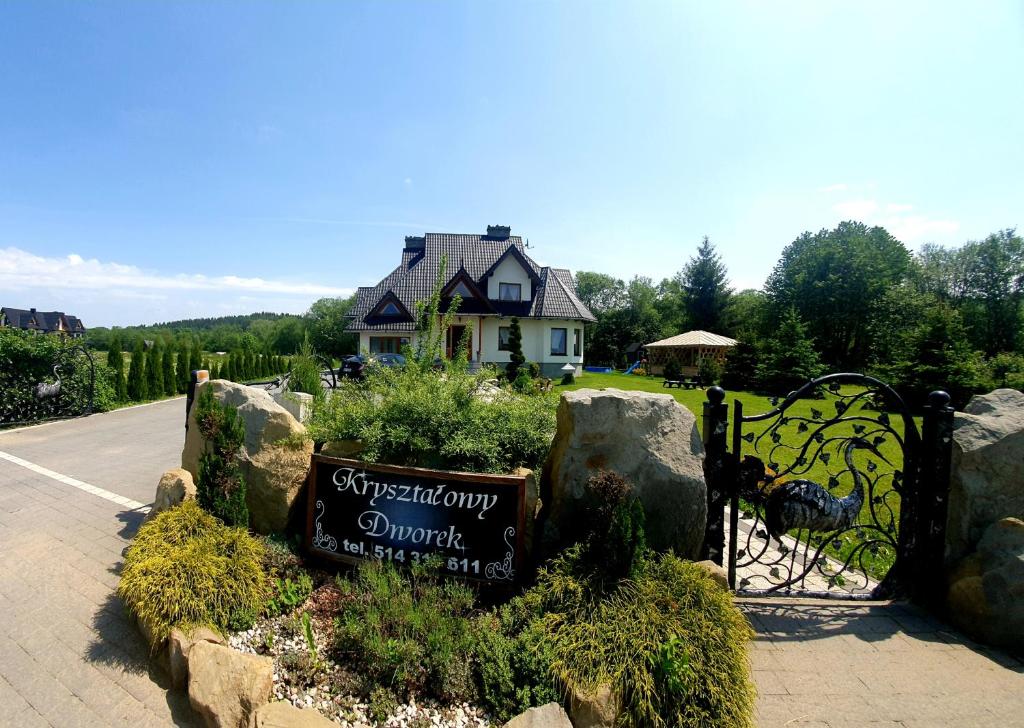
{"x":226,"y":687}
{"x":598,"y":709}
{"x":179,"y":643}
{"x":175,"y":486}
{"x":649,"y":439}
{"x":986,"y":593}
{"x":276,"y":456}
{"x":987,"y":476}
{"x":551,"y":715}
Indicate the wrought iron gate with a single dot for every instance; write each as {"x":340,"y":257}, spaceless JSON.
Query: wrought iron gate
{"x":832,"y":492}
{"x":56,"y":385}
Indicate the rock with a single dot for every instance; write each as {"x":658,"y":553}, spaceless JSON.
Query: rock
{"x":599,"y":709}
{"x":342,"y":448}
{"x":551,"y":715}
{"x":176,"y":485}
{"x":716,"y":572}
{"x":649,"y":439}
{"x":276,"y":456}
{"x":178,"y":645}
{"x":532,"y":505}
{"x":986,"y":593}
{"x":284,"y":715}
{"x":226,"y":687}
{"x":298,"y":404}
{"x":987,"y":475}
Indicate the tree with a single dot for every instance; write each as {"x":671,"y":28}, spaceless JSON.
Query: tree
{"x":195,"y":359}
{"x":831,"y":279}
{"x":327,"y":319}
{"x":600,"y":292}
{"x":704,"y":282}
{"x":515,"y":344}
{"x":181,"y":370}
{"x":155,"y":370}
{"x":115,"y":360}
{"x":788,"y":359}
{"x":137,"y":388}
{"x":741,"y":367}
{"x":170,"y":384}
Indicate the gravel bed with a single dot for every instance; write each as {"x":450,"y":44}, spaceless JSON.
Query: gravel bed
{"x":332,"y":689}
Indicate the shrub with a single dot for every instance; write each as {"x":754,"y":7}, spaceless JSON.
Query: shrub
{"x":185,"y":568}
{"x":286,"y":594}
{"x":305,"y":376}
{"x":137,"y":385}
{"x":513,"y":662}
{"x":408,"y":633}
{"x":221,"y":486}
{"x":669,"y":641}
{"x":515,"y":345}
{"x":673,"y":370}
{"x":710,"y":371}
{"x":615,"y":542}
{"x":408,"y":416}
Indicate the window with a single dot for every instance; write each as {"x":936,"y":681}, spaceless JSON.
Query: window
{"x":504,"y":334}
{"x":387,"y":344}
{"x":462,"y":289}
{"x":577,"y":342}
{"x":558,"y":337}
{"x":510,"y":292}
{"x":390,"y":310}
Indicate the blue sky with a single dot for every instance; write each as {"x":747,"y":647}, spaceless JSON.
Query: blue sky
{"x":163,"y":160}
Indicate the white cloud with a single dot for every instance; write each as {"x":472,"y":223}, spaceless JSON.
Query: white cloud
{"x":21,"y":270}
{"x":856,"y":209}
{"x":895,"y":207}
{"x":838,"y":187}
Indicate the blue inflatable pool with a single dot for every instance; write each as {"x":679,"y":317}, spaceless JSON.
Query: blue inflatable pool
{"x":599,"y":370}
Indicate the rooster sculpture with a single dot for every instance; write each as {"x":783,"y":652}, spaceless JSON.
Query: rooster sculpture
{"x":799,"y":504}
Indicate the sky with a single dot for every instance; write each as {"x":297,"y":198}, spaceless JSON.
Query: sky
{"x":169,"y":160}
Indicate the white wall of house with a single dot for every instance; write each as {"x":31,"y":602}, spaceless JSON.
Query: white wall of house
{"x":536,"y":343}
{"x":509,"y":271}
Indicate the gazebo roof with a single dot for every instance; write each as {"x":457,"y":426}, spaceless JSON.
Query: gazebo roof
{"x":695,"y":338}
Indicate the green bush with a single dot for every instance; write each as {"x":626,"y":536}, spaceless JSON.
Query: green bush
{"x":305,"y":374}
{"x":186,"y":568}
{"x":673,"y":370}
{"x":28,"y":359}
{"x":286,"y":594}
{"x":220,"y":488}
{"x":409,"y":633}
{"x":407,"y":416}
{"x":669,"y":641}
{"x":710,"y":371}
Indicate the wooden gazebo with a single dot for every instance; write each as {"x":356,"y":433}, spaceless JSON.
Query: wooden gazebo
{"x":687,"y":350}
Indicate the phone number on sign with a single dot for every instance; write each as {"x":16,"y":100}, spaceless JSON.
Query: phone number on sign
{"x":459,"y":566}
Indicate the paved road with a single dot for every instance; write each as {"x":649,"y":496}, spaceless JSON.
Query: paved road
{"x":69,"y":502}
{"x":70,"y":499}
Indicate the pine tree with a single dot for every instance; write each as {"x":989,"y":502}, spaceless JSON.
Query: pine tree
{"x":515,"y":344}
{"x":181,"y":366}
{"x":220,"y":488}
{"x":137,"y":390}
{"x":115,"y":360}
{"x":705,"y":284}
{"x":196,"y":359}
{"x":155,"y":370}
{"x":788,"y":359}
{"x":170,"y":383}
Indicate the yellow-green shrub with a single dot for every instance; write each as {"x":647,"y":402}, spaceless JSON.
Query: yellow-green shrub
{"x":186,"y":568}
{"x":669,"y":640}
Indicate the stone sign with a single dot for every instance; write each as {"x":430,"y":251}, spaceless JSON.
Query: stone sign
{"x":474,"y":522}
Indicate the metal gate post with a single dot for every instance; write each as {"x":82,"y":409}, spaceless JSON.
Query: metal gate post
{"x":933,"y":496}
{"x":716,"y":422}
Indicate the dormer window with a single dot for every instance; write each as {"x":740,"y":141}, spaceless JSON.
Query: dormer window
{"x":463,"y":290}
{"x":510,"y":292}
{"x":390,"y":309}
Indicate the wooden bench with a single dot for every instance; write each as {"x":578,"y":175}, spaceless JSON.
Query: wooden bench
{"x":688,"y":383}
{"x":672,"y":383}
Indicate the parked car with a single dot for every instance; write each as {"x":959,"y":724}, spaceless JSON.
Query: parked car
{"x":355,"y":366}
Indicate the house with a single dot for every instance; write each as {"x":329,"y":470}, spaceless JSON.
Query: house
{"x":46,"y":322}
{"x":496,"y":280}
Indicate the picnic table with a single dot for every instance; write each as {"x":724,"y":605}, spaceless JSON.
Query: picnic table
{"x":685,"y":383}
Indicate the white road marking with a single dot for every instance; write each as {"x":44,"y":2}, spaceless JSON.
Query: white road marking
{"x":75,"y":483}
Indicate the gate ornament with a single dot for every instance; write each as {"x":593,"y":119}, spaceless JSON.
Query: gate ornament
{"x":830,"y":513}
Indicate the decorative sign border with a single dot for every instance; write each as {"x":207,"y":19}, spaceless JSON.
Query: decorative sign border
{"x":320,"y":543}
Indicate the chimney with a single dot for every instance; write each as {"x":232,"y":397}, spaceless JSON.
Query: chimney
{"x":415,"y":242}
{"x":498,"y":232}
{"x":31,"y":310}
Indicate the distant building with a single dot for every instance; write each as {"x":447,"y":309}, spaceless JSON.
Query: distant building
{"x":44,"y":322}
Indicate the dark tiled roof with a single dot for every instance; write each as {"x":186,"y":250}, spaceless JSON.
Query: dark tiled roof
{"x":413,"y":280}
{"x":45,"y":321}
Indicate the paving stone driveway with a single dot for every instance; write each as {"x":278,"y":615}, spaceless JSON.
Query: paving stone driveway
{"x":70,"y":494}
{"x":68,"y":655}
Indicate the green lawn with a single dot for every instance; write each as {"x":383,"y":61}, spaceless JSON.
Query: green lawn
{"x":803,"y":418}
